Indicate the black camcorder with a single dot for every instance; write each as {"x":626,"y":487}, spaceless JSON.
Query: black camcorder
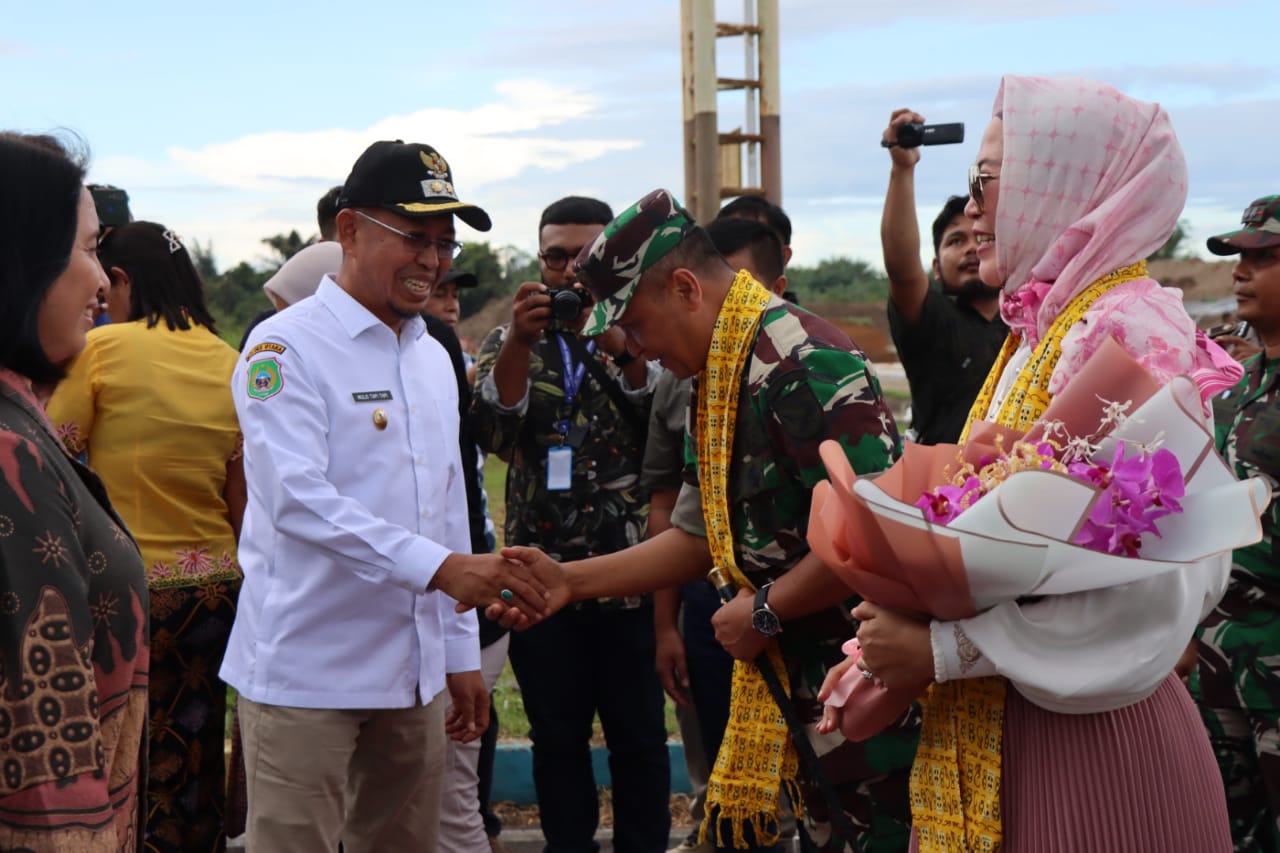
{"x":566,"y":304}
{"x":913,"y":134}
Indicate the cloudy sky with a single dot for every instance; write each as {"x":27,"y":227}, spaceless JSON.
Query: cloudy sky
{"x":227,"y":120}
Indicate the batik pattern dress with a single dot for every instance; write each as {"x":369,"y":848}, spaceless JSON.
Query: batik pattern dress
{"x":73,"y":648}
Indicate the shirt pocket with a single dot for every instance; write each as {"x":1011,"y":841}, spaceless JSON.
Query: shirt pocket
{"x":756,"y":483}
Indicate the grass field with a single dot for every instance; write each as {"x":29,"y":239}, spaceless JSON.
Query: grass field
{"x":506,"y":693}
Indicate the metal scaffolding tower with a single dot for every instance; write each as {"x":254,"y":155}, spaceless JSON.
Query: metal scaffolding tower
{"x":715,"y":167}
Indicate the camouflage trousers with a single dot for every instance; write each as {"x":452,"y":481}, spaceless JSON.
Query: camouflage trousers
{"x":1237,"y":688}
{"x":871,"y":780}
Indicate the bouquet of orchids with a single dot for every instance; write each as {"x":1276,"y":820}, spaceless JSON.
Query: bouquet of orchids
{"x":1100,"y":492}
{"x":1133,"y":491}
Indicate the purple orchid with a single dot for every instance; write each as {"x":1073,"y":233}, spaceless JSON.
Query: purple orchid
{"x":1135,"y":488}
{"x":1134,"y":492}
{"x":946,"y":502}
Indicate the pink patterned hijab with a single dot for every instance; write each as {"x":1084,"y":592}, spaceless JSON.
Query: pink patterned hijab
{"x":1091,"y":181}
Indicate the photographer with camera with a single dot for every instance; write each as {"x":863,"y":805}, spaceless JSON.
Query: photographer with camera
{"x":570,"y":415}
{"x":947,"y":337}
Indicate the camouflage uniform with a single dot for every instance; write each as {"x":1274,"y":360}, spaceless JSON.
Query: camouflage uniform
{"x":594,"y":658}
{"x":1237,"y":681}
{"x":804,"y":383}
{"x":606,"y":509}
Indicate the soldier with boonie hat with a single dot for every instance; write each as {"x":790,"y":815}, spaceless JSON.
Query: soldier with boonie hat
{"x":744,"y":508}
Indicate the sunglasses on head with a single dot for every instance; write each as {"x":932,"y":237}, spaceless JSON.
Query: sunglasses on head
{"x":976,"y":178}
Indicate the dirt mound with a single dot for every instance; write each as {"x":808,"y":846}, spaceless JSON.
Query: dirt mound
{"x":866,"y":324}
{"x":1199,"y":281}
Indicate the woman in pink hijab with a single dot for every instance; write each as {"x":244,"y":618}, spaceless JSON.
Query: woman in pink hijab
{"x":1070,"y":730}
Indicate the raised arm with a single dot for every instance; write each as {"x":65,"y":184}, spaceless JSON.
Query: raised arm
{"x":899,"y":229}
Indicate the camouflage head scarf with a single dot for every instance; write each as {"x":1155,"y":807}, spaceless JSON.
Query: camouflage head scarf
{"x":638,"y":238}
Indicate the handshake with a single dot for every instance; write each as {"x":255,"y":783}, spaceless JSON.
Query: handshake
{"x":518,"y":587}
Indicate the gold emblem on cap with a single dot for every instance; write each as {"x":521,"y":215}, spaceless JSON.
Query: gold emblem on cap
{"x":435,"y":164}
{"x":437,"y":186}
{"x":380,"y":418}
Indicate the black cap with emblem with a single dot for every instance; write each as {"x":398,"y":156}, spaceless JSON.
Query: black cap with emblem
{"x":410,"y":179}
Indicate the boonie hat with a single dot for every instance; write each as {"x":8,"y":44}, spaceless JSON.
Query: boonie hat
{"x":410,"y":179}
{"x":1261,"y":229}
{"x":611,"y":266}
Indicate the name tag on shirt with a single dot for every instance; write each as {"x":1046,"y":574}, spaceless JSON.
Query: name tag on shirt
{"x":559,"y":468}
{"x":370,"y":396}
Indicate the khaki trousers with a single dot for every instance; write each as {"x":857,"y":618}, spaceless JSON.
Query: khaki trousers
{"x":370,"y":778}
{"x":461,"y":827}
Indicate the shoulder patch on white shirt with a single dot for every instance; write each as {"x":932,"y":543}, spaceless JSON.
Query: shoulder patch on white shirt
{"x":265,"y":378}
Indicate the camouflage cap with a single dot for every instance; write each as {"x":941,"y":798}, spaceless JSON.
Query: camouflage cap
{"x":638,"y":238}
{"x":1261,"y":229}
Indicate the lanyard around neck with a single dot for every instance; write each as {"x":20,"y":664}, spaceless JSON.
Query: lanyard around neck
{"x":571,"y":380}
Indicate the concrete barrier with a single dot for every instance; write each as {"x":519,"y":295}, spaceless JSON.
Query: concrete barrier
{"x":513,"y":770}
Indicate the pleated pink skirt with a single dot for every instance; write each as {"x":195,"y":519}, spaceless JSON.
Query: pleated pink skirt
{"x":1138,"y":780}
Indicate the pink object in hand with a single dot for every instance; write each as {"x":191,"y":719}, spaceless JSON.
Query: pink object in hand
{"x":866,"y":706}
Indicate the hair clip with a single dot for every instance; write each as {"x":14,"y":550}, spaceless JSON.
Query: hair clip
{"x":174,"y":244}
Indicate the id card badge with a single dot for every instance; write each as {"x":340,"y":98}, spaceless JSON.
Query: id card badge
{"x":559,"y":468}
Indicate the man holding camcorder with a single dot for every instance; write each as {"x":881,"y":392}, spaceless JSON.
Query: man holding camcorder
{"x":947,"y":336}
{"x":570,"y":415}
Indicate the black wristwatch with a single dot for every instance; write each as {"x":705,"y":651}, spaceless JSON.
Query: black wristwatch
{"x":623,"y":358}
{"x":763,"y":619}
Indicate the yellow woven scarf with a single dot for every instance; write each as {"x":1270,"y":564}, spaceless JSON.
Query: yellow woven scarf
{"x":757,"y":760}
{"x":955,"y":781}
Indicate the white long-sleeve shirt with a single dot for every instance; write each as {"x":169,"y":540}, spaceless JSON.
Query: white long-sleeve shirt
{"x":1085,"y":652}
{"x":347,"y":522}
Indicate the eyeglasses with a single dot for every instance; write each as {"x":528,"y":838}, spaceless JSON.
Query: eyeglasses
{"x":976,"y":177}
{"x":558,"y":259}
{"x":417,"y":242}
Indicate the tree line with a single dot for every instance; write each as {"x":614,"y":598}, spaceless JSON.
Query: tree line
{"x":235,"y":294}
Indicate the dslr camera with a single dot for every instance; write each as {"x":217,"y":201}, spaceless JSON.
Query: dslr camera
{"x":914,"y":134}
{"x":566,"y":304}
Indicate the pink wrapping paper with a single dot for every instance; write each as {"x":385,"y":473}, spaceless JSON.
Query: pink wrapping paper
{"x":918,"y":571}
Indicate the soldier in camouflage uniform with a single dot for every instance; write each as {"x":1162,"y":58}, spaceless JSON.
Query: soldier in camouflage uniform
{"x":538,"y":403}
{"x":1237,"y":680}
{"x":656,"y":275}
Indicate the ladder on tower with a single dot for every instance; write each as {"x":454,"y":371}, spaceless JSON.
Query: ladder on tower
{"x":746,"y":160}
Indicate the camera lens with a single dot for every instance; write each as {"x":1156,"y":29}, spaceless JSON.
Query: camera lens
{"x":566,"y":305}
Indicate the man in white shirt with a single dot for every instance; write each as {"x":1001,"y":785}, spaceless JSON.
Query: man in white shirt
{"x":355,"y":545}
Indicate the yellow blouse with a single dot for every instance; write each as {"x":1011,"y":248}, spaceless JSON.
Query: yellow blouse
{"x":153,"y":409}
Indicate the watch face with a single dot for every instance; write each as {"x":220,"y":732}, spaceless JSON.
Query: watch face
{"x":765,"y":621}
